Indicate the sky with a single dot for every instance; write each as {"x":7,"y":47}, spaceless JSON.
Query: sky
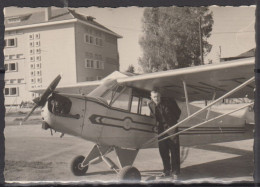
{"x":233,"y":30}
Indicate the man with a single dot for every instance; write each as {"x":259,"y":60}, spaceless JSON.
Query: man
{"x":166,"y":112}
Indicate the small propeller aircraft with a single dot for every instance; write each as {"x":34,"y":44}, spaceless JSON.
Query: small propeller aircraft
{"x":115,"y":115}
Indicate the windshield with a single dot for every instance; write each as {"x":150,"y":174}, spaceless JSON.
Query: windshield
{"x":103,"y":88}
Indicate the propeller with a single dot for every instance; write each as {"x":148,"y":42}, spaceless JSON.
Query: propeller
{"x":40,"y":101}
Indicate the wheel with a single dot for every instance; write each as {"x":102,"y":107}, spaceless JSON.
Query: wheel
{"x":76,"y":168}
{"x":129,"y":173}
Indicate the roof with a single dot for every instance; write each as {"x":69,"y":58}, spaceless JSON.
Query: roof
{"x":60,"y":14}
{"x":250,"y":53}
{"x":247,"y":54}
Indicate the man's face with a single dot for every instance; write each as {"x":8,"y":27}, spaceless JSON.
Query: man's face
{"x":156,"y":97}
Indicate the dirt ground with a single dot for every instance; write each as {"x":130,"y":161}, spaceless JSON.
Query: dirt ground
{"x":33,"y":154}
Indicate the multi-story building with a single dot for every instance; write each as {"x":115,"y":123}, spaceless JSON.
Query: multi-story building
{"x":39,"y":46}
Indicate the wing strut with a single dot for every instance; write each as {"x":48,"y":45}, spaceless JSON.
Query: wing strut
{"x":201,"y":110}
{"x":186,"y":97}
{"x":194,"y":126}
{"x":213,"y":98}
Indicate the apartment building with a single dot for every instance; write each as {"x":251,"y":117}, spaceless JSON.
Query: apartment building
{"x":41,"y":45}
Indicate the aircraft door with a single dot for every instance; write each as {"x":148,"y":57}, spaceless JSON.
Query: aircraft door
{"x":127,"y":125}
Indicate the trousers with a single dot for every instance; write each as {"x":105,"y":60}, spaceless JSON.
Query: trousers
{"x":170,"y":153}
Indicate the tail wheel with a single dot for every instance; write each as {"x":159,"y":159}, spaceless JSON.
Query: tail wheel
{"x":76,"y":168}
{"x":129,"y":173}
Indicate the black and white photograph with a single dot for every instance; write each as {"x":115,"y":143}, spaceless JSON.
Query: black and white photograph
{"x":129,"y":94}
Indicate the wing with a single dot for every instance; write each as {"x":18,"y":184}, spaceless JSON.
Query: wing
{"x":78,"y":88}
{"x":201,"y":81}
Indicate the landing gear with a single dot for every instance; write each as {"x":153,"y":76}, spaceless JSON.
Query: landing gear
{"x":129,"y":173}
{"x":76,"y":166}
{"x":125,"y":170}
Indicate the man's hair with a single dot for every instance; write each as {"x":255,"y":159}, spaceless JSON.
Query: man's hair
{"x":155,"y":90}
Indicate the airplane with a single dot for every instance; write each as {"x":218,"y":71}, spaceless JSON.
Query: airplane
{"x":115,"y":114}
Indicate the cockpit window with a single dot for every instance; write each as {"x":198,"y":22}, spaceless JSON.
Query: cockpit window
{"x":144,"y":108}
{"x":139,"y":103}
{"x":121,"y":98}
{"x":103,"y":88}
{"x":58,"y":104}
{"x":135,"y":105}
{"x":112,"y":94}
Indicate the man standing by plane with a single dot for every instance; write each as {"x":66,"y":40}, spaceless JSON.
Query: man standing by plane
{"x":166,"y":112}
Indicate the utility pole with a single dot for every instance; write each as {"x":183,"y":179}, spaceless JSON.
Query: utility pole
{"x":201,"y":44}
{"x":219,"y":53}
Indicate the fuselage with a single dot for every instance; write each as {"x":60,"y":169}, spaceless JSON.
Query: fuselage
{"x":94,"y":120}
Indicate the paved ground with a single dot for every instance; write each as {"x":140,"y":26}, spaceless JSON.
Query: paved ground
{"x":32,"y":154}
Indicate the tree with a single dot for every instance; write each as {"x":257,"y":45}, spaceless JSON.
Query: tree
{"x":171,"y":37}
{"x":130,"y":69}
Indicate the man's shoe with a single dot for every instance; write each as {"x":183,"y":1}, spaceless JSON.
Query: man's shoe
{"x":175,"y":177}
{"x":165,"y":175}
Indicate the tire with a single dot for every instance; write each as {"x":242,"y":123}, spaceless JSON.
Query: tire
{"x":129,"y":173}
{"x":75,"y":167}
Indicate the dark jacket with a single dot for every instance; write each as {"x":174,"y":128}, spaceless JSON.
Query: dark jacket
{"x":169,"y":113}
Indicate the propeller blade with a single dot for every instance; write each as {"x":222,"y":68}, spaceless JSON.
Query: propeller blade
{"x":28,"y":115}
{"x":41,"y":101}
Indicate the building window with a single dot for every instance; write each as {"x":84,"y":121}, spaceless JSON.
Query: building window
{"x":38,"y":58}
{"x":38,"y":50}
{"x":32,"y":66}
{"x":32,"y":80}
{"x":89,"y":63}
{"x":20,"y":81}
{"x":39,"y":73}
{"x":6,"y":67}
{"x":86,"y":38}
{"x":99,"y":64}
{"x":99,"y":42}
{"x":6,"y":91}
{"x":11,"y":57}
{"x":32,"y":58}
{"x":31,"y":44}
{"x":31,"y":51}
{"x":37,"y":43}
{"x":6,"y":57}
{"x":91,"y":39}
{"x":37,"y":36}
{"x":38,"y":65}
{"x":32,"y":73}
{"x":12,"y":81}
{"x":11,"y":91}
{"x":39,"y":80}
{"x":19,"y":56}
{"x":11,"y":42}
{"x":31,"y":37}
{"x":12,"y":67}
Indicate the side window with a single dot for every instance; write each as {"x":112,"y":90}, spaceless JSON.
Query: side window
{"x":134,"y":105}
{"x":108,"y":96}
{"x":122,"y":100}
{"x":144,"y":107}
